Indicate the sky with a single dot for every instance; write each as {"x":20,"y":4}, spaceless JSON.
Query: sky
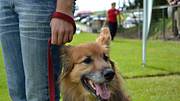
{"x":97,"y":5}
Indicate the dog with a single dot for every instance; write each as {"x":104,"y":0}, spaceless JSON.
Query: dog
{"x":89,"y":74}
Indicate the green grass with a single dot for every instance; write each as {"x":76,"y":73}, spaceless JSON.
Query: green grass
{"x":163,"y":57}
{"x":3,"y":84}
{"x":155,"y":89}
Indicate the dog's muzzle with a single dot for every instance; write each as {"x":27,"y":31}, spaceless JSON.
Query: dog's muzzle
{"x":98,"y":83}
{"x":108,"y":74}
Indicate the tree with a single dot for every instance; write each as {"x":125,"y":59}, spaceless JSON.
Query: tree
{"x":155,"y":13}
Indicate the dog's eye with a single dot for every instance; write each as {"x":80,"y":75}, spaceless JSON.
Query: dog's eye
{"x":88,"y":60}
{"x":105,"y":57}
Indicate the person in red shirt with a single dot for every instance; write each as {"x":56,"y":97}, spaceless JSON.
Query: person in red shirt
{"x":112,"y":19}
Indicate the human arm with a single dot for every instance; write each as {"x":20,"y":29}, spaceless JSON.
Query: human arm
{"x":61,"y":30}
{"x":118,"y":16}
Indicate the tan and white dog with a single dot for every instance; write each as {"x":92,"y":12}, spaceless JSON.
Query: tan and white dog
{"x":89,"y":74}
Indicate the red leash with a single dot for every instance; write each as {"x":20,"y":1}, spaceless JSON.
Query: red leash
{"x":65,"y":17}
{"x":50,"y":74}
{"x":51,"y":79}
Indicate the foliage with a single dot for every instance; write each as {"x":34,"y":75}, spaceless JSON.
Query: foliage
{"x":140,"y":3}
{"x":156,"y":13}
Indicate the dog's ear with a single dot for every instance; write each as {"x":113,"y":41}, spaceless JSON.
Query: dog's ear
{"x":104,"y":37}
{"x":65,"y":60}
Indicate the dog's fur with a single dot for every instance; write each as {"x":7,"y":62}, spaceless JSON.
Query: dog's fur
{"x":76,"y":65}
{"x":104,"y":37}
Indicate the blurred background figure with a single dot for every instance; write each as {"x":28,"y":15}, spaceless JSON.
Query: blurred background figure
{"x":112,"y":14}
{"x":175,"y":17}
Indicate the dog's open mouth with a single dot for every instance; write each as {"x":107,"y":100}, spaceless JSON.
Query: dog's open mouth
{"x":100,"y":90}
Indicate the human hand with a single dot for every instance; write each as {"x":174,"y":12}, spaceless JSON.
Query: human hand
{"x":62,"y":31}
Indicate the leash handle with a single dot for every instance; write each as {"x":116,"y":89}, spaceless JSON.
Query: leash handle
{"x":50,"y":73}
{"x":66,"y":18}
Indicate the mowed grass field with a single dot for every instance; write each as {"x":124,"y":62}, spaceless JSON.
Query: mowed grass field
{"x":159,"y":80}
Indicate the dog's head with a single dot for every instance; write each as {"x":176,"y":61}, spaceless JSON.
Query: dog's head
{"x":90,"y":66}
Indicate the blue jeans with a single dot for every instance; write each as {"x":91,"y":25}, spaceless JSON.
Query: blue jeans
{"x":24,"y":33}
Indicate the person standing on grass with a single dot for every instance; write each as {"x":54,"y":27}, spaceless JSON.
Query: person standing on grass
{"x":24,"y":32}
{"x":175,"y":17}
{"x":112,"y":19}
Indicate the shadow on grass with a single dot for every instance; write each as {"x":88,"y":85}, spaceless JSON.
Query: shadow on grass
{"x":157,"y":68}
{"x":168,"y":73}
{"x":119,"y":41}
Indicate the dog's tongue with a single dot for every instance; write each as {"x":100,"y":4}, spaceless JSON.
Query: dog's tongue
{"x":102,"y":91}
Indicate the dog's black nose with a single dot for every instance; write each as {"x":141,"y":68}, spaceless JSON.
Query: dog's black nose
{"x":108,"y":74}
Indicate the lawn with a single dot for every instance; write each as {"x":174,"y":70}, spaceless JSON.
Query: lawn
{"x":159,"y":80}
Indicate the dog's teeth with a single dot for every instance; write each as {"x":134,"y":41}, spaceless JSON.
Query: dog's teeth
{"x":92,"y":84}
